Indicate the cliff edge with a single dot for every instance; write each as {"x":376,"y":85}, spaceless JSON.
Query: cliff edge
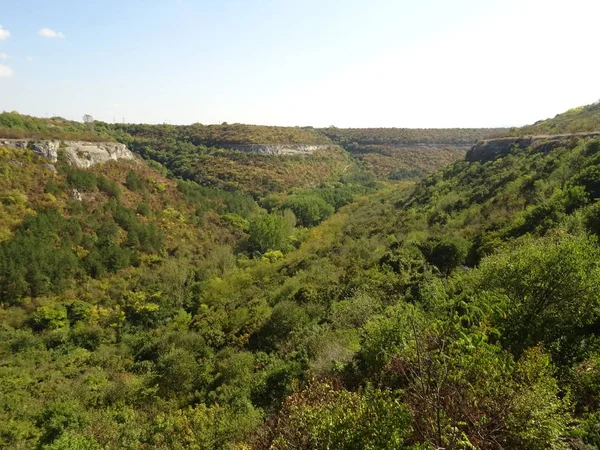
{"x":77,"y":153}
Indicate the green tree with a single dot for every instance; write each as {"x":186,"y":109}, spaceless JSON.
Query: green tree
{"x":269,"y":232}
{"x":322,"y":417}
{"x":308,"y":209}
{"x":547,"y":291}
{"x":445,"y":253}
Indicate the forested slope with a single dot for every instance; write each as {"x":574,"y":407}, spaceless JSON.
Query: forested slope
{"x":105,"y":343}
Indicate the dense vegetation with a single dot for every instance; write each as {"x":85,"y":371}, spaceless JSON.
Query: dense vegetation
{"x":576,"y":120}
{"x":460,"y":313}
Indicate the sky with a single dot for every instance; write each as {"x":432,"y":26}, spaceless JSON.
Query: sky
{"x":369,"y":63}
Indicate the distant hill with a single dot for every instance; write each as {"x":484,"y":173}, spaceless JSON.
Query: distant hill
{"x":225,"y":134}
{"x":576,"y":120}
{"x":208,"y":154}
{"x":407,"y":153}
{"x":15,"y":125}
{"x":410,"y":136}
{"x":239,"y":156}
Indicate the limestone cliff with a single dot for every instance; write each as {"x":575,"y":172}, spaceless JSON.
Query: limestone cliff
{"x":79,"y":154}
{"x":277,"y":149}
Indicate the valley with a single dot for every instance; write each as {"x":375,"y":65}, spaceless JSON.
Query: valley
{"x":250,"y":287}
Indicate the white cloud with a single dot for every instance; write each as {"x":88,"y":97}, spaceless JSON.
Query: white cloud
{"x":3,"y":56}
{"x":49,"y":33}
{"x":6,"y":72}
{"x":4,"y":33}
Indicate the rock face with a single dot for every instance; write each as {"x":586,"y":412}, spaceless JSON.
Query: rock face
{"x":277,"y":149}
{"x":491,"y":149}
{"x":86,"y":154}
{"x":78,"y":154}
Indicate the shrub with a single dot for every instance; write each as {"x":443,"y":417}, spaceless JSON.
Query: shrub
{"x":81,"y":179}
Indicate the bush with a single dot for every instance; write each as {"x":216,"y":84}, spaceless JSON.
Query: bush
{"x":143,"y":210}
{"x":322,"y":417}
{"x":133,"y":181}
{"x":81,"y":180}
{"x":109,"y":187}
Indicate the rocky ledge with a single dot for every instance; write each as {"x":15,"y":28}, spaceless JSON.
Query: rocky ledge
{"x":491,"y":149}
{"x":77,"y":153}
{"x":277,"y":149}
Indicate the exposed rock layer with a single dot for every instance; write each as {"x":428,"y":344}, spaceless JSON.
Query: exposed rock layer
{"x":277,"y":149}
{"x":79,"y":154}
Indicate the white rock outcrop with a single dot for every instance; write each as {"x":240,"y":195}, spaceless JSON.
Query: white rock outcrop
{"x":277,"y":149}
{"x":77,"y":153}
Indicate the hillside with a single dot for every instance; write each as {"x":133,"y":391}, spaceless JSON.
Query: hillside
{"x":459,"y":312}
{"x":404,"y":153}
{"x":576,"y":120}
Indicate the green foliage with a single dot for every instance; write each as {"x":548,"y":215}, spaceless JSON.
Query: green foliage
{"x":133,"y":181}
{"x":269,"y":232}
{"x":109,"y":187}
{"x":445,"y":253}
{"x":38,"y":260}
{"x":143,"y":209}
{"x":18,"y":126}
{"x":463,"y":391}
{"x":547,"y":292}
{"x":69,"y":441}
{"x":223,"y":201}
{"x":322,"y":417}
{"x":49,"y":318}
{"x":286,"y":317}
{"x":81,"y":180}
{"x":236,"y":221}
{"x":589,"y":178}
{"x":308,"y":209}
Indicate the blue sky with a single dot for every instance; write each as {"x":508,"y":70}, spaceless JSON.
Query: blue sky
{"x":427,"y":63}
